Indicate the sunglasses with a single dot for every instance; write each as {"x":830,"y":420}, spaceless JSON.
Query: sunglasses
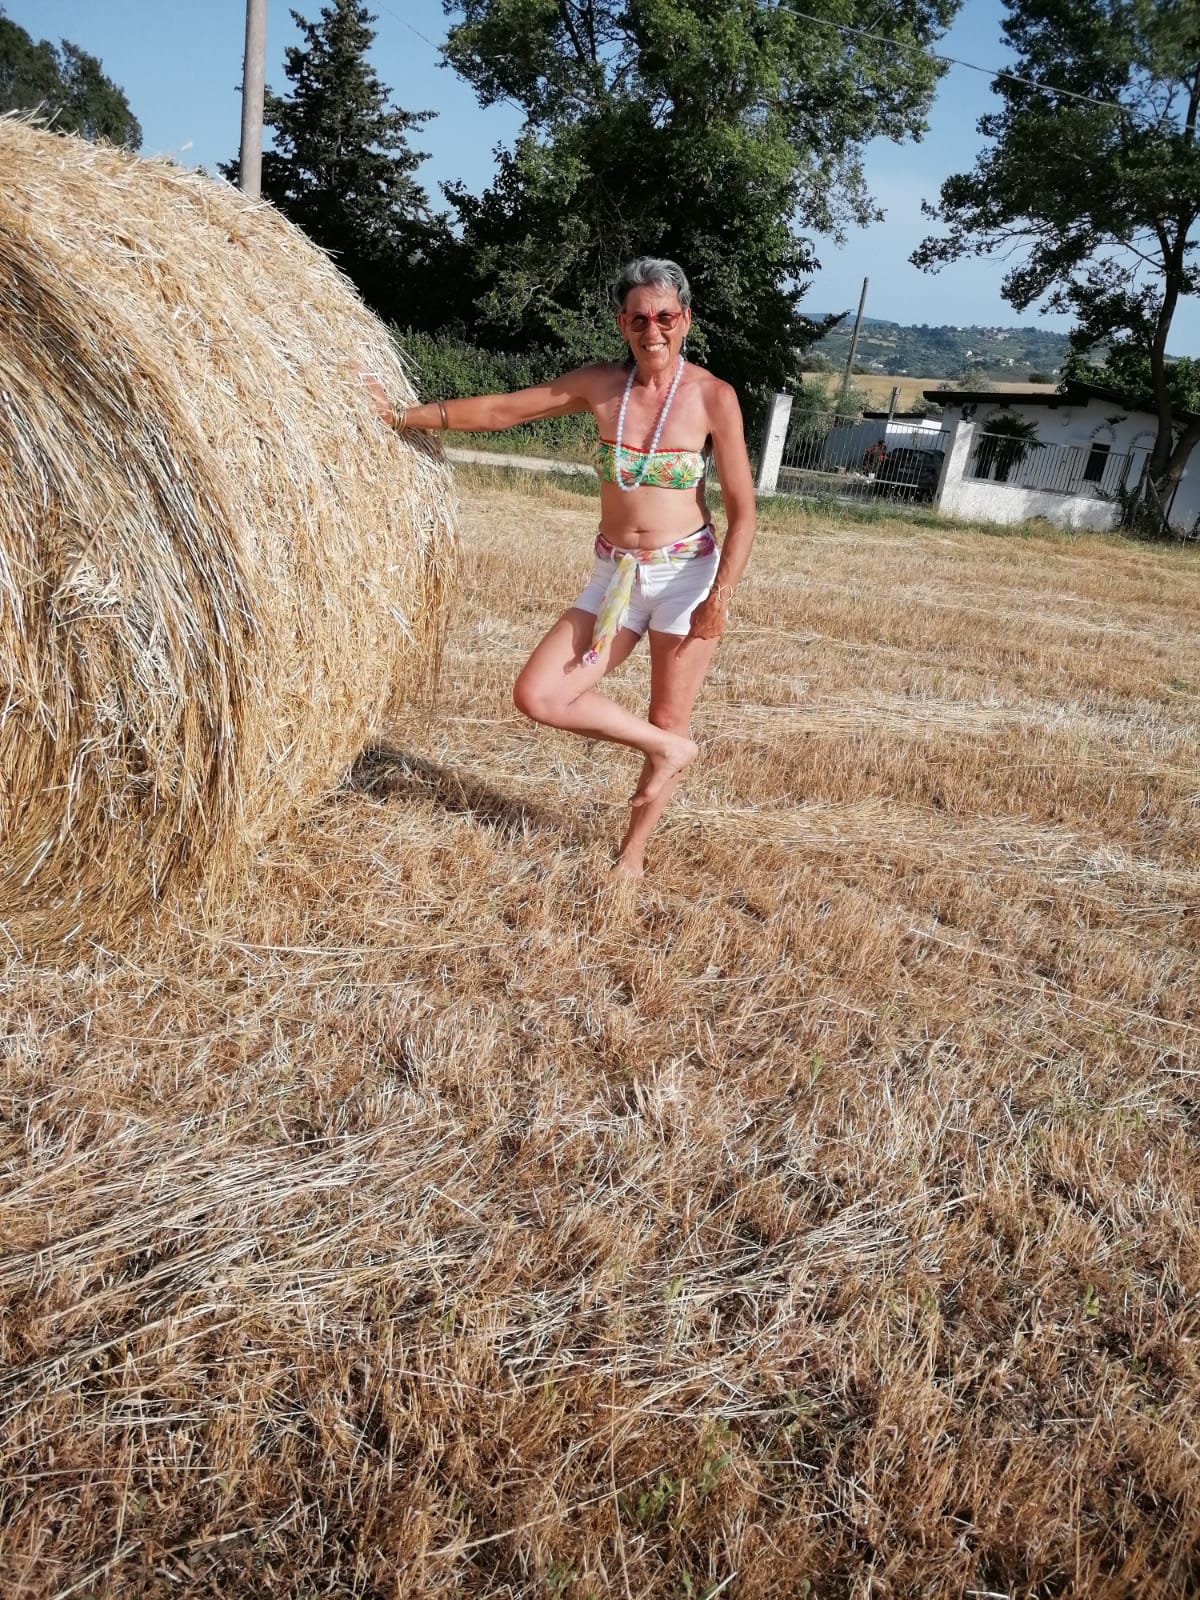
{"x":665,"y":320}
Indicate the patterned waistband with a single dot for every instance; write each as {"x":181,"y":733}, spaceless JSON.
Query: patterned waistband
{"x":700,"y":543}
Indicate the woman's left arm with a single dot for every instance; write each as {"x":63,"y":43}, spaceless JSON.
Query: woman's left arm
{"x":737,"y":492}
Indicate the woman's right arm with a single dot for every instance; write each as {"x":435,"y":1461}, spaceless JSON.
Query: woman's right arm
{"x":489,"y":413}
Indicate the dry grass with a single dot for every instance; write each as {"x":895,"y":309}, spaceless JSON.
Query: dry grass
{"x":878,"y":388}
{"x":217,"y":568}
{"x":820,"y":1219}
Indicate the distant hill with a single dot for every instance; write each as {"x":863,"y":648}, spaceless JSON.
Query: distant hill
{"x":889,"y":348}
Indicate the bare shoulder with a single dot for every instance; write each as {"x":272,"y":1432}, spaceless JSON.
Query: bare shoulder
{"x":720,"y":398}
{"x":596,"y":382}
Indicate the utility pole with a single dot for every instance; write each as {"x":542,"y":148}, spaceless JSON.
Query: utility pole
{"x":862,"y":300}
{"x":254,"y":74}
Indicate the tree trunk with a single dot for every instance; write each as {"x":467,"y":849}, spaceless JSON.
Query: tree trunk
{"x":1188,"y":440}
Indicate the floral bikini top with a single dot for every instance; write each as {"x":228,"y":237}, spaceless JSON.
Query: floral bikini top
{"x":667,"y":469}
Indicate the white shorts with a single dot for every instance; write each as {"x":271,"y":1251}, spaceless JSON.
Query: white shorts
{"x":665,"y":593}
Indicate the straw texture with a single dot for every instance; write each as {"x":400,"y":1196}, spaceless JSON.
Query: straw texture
{"x":218,"y":570}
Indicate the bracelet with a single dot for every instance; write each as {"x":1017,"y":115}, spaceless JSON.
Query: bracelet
{"x":399,"y":416}
{"x":441,"y":405}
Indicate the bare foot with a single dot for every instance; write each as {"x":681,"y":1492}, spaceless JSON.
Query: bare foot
{"x":663,"y":767}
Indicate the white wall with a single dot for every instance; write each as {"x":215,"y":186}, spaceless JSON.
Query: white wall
{"x":907,"y":430}
{"x":1097,"y":422}
{"x":1185,"y":507}
{"x":1081,"y":426}
{"x":915,"y":432}
{"x":979,"y":500}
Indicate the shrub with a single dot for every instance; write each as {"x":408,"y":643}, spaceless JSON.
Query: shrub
{"x":446,"y":368}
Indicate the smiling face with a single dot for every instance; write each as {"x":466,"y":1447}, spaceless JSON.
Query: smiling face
{"x":655,"y":347}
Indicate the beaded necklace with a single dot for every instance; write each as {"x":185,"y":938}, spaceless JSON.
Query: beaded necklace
{"x":619,"y":472}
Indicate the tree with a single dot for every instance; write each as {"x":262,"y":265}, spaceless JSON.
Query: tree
{"x":1125,"y":371}
{"x":1004,"y":442}
{"x":66,"y":85}
{"x":1093,"y":178}
{"x":342,"y":167}
{"x":709,"y":131}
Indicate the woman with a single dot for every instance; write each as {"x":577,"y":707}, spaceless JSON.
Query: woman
{"x":658,"y":568}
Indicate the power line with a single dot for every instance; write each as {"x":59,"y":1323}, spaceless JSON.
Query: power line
{"x":878,"y":38}
{"x":955,"y":61}
{"x":440,"y":49}
{"x":422,"y":36}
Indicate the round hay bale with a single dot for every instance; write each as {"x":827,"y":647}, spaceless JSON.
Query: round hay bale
{"x":218,"y":569}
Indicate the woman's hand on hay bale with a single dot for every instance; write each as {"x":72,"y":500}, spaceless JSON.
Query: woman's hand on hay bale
{"x":383,"y":406}
{"x":416,"y":418}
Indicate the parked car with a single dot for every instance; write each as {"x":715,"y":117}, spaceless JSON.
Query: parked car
{"x":910,"y":474}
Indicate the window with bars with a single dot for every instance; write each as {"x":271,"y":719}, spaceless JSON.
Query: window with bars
{"x":1096,"y":462}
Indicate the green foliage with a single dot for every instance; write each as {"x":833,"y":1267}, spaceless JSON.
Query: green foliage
{"x":66,"y":85}
{"x":1004,"y":442}
{"x":342,"y":167}
{"x":1095,"y":180}
{"x":651,"y":1508}
{"x":894,"y":349}
{"x":708,"y":131}
{"x":444,"y":368}
{"x":710,"y":1473}
{"x":814,"y":403}
{"x":1126,"y":372}
{"x":690,"y":1589}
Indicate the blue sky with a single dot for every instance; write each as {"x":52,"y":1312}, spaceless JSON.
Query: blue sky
{"x":180,"y":61}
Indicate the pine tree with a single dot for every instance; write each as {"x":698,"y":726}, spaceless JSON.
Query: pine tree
{"x":341,"y":167}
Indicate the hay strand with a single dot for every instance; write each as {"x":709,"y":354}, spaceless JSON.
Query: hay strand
{"x":217,"y":569}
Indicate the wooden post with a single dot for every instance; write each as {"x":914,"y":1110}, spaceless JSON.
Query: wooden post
{"x":254,"y":73}
{"x":770,"y":456}
{"x":862,"y":300}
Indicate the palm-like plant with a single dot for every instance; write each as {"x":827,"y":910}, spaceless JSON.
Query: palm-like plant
{"x":1005,"y":442}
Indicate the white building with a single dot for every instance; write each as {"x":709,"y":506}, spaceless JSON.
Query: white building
{"x":1087,"y":449}
{"x":893,"y":431}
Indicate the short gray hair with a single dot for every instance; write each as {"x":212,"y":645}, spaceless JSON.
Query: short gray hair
{"x":656,"y":272}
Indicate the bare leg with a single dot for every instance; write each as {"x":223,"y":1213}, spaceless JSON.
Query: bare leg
{"x":677,"y":669}
{"x":557,"y":687}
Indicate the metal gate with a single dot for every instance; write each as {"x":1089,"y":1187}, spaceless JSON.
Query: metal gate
{"x":862,"y":458}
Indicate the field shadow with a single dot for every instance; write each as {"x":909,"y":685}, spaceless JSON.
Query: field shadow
{"x":386,"y":772}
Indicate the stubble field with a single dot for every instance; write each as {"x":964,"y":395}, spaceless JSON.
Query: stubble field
{"x":820,"y":1218}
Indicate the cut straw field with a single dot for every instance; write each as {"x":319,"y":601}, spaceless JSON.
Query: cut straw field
{"x":820,"y":1218}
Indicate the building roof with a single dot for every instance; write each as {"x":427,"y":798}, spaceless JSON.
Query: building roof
{"x":996,"y":397}
{"x":1069,"y":393}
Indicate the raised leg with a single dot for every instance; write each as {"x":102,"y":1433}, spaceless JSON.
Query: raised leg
{"x":557,"y":687}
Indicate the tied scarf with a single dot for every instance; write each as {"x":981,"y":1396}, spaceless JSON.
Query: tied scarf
{"x":614,"y":606}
